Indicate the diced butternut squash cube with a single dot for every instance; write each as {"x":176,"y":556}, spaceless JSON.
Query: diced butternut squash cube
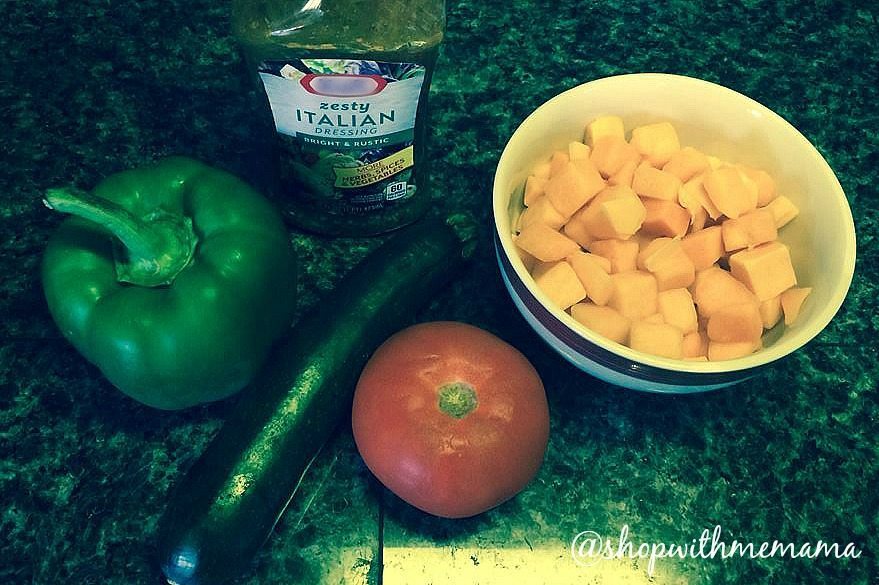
{"x":677,"y":308}
{"x":686,"y":163}
{"x":749,"y":230}
{"x":692,"y":196}
{"x":591,"y":174}
{"x":728,"y":192}
{"x":610,"y":153}
{"x":570,"y":189}
{"x":734,"y":323}
{"x":698,"y":219}
{"x":783,"y":210}
{"x":559,"y":283}
{"x":618,"y":218}
{"x":654,"y":252}
{"x":578,"y":227}
{"x":719,"y":351}
{"x":666,"y":260}
{"x":602,"y":261}
{"x":770,"y":311}
{"x":792,"y":301}
{"x":657,"y":338}
{"x":764,"y":182}
{"x":735,"y":237}
{"x":578,"y":150}
{"x":695,"y":345}
{"x":766,"y":270}
{"x":703,"y":247}
{"x":612,"y":192}
{"x":751,"y":189}
{"x":634,"y":294}
{"x":652,"y":182}
{"x":542,"y":169}
{"x":596,"y":220}
{"x":675,"y":274}
{"x":527,"y":259}
{"x":625,"y":175}
{"x":665,"y":218}
{"x":558,"y":162}
{"x":621,"y":253}
{"x":595,"y":279}
{"x":714,"y":288}
{"x":604,"y":126}
{"x":643,"y":240}
{"x":689,"y":201}
{"x":656,"y":142}
{"x":545,"y":243}
{"x":654,"y":318}
{"x":541,"y":211}
{"x":535,"y":188}
{"x":602,"y":320}
{"x":577,"y":230}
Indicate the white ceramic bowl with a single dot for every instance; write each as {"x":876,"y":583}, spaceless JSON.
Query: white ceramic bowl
{"x":718,"y":121}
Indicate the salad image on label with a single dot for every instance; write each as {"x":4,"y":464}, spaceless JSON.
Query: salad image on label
{"x":347,"y":129}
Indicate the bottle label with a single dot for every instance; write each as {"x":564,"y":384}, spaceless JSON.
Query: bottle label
{"x":347,"y":129}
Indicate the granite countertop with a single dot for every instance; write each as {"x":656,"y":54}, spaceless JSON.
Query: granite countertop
{"x":92,"y":87}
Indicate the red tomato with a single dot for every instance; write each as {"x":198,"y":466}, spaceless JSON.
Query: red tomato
{"x":450,"y":418}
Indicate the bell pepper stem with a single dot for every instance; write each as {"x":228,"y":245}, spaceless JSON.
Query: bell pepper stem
{"x":134,"y":233}
{"x":154,"y":248}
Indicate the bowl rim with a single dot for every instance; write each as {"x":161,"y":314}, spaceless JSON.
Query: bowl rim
{"x":500,"y":202}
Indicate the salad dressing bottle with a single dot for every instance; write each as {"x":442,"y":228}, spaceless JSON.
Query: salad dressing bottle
{"x":346,"y":82}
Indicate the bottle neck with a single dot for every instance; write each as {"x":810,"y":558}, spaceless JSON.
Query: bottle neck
{"x":342,"y":27}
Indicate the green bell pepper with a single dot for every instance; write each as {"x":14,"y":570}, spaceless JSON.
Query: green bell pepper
{"x":174,"y":279}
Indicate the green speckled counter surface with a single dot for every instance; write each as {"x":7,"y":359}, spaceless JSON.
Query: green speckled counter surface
{"x":92,"y":87}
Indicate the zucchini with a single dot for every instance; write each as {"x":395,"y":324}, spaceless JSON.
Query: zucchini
{"x":222,"y":511}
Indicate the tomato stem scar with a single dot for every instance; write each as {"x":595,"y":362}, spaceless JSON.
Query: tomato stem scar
{"x":457,"y":399}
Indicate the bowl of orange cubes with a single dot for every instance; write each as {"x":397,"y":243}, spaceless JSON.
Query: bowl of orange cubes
{"x":668,"y":234}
